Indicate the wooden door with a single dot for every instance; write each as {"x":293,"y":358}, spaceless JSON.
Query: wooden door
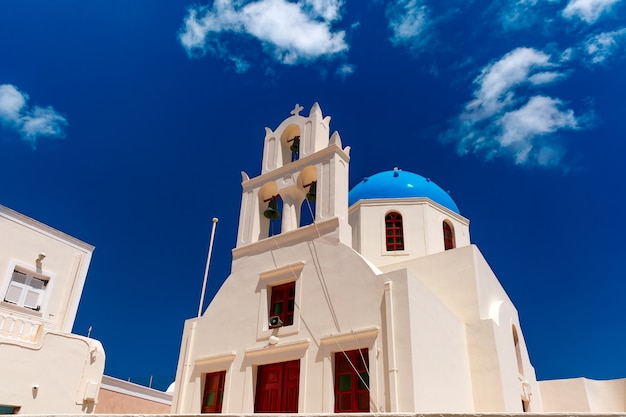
{"x":277,"y":388}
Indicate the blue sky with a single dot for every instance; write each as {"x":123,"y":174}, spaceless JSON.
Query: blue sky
{"x":126,"y":124}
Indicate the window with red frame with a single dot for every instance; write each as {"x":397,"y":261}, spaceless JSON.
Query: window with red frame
{"x":448,"y":236}
{"x":283,"y":301}
{"x":393,"y":232}
{"x":352,"y":381}
{"x":213,"y":392}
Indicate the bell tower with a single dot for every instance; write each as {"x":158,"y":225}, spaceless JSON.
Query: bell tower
{"x":304,"y":169}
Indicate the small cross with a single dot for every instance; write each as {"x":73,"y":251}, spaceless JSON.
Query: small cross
{"x":296,"y":110}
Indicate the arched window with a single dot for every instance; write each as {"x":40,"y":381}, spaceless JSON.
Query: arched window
{"x":448,"y":236}
{"x":393,"y":232}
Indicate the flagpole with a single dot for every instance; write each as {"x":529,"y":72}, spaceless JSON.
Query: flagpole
{"x":206,"y":269}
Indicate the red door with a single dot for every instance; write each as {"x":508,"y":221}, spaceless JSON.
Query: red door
{"x":352,"y":381}
{"x":277,"y":388}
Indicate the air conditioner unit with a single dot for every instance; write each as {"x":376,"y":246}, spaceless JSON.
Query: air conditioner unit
{"x":275,"y":322}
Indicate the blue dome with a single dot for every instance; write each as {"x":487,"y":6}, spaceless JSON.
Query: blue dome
{"x":400,"y":184}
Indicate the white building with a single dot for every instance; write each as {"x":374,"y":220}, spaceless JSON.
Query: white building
{"x":44,"y":368}
{"x":381,"y":305}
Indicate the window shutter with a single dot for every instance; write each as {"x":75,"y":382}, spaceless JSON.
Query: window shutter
{"x":26,"y":290}
{"x":14,"y":293}
{"x":32,"y":299}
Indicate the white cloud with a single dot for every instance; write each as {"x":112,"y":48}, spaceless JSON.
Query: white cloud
{"x":345,"y":70}
{"x":408,"y":21}
{"x":43,"y":121}
{"x":326,"y":9}
{"x":11,"y":103}
{"x":29,"y":122}
{"x":587,"y":10}
{"x":545,"y":77}
{"x":506,"y":120}
{"x":290,"y":32}
{"x":600,"y":47}
{"x":241,"y":65}
{"x":568,"y":54}
{"x":539,"y":15}
{"x":496,"y":80}
{"x":541,"y":115}
{"x":522,"y":14}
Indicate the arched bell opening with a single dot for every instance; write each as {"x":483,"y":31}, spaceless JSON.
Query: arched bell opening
{"x":307,"y":182}
{"x":270,"y":210}
{"x":290,"y":144}
{"x":273,"y":212}
{"x":307,"y":212}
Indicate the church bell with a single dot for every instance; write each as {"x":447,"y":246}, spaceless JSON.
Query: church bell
{"x":295,"y":144}
{"x":272,"y":212}
{"x":310,"y":195}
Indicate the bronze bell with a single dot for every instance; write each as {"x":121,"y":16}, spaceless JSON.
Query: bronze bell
{"x":295,"y":144}
{"x":272,"y":212}
{"x":310,"y":195}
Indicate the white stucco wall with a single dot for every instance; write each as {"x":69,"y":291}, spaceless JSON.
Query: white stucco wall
{"x":432,"y":344}
{"x":67,"y":259}
{"x":43,"y":367}
{"x":463,"y":281}
{"x":65,"y":368}
{"x":453,"y":353}
{"x":336,"y":294}
{"x":422,"y":226}
{"x":584,"y":395}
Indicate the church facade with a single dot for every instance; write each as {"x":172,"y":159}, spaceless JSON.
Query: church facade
{"x":365,"y":300}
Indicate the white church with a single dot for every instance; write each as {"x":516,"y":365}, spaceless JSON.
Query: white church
{"x":365,"y":300}
{"x":370,"y":300}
